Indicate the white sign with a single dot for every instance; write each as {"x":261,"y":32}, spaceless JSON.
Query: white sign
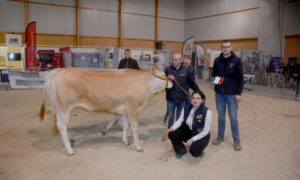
{"x":13,"y":40}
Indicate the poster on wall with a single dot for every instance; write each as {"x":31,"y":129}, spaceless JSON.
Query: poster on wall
{"x":200,"y":55}
{"x":13,"y":40}
{"x":187,"y":48}
{"x":158,"y":60}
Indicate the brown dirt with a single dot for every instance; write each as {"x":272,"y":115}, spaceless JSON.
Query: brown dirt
{"x":269,"y":129}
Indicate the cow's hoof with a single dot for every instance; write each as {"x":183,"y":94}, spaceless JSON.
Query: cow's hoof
{"x":140,"y":150}
{"x":126,"y":143}
{"x":103,"y":133}
{"x":70,"y":152}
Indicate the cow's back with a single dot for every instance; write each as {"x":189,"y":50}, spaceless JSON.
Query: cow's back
{"x":100,"y":90}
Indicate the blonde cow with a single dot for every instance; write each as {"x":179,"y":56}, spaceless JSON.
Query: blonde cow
{"x":121,"y":92}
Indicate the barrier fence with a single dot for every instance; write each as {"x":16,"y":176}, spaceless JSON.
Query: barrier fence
{"x":268,"y":84}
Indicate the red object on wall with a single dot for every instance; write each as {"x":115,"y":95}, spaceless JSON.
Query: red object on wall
{"x":65,"y":49}
{"x":58,"y":60}
{"x":31,"y":47}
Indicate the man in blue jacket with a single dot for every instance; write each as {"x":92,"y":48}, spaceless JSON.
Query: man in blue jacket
{"x":230,"y":67}
{"x":176,"y":95}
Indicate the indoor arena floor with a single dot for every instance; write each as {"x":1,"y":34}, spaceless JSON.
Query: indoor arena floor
{"x":269,"y":130}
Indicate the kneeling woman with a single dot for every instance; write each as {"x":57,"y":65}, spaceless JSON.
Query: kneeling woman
{"x":192,"y":127}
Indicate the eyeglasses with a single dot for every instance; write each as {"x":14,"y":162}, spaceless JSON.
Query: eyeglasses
{"x":226,"y":47}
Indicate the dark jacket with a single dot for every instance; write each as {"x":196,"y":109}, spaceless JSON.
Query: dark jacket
{"x":128,"y":63}
{"x":184,"y":78}
{"x":198,"y":119}
{"x":232,"y":70}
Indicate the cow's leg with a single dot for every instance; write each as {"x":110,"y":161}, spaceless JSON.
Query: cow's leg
{"x":62,"y":124}
{"x":125,"y":122}
{"x":54,"y":127}
{"x":134,"y":121}
{"x":111,"y":123}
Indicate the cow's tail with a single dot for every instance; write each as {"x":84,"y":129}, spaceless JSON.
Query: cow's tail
{"x":42,"y":108}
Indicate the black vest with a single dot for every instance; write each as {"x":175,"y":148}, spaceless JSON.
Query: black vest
{"x":198,"y":119}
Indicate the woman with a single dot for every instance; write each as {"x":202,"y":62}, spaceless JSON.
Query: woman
{"x":192,"y":128}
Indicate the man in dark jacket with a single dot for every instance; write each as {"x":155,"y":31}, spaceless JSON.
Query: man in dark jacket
{"x":128,"y":62}
{"x":176,"y":95}
{"x":230,"y":67}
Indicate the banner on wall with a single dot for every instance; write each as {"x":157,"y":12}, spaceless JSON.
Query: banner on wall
{"x":31,"y":46}
{"x":187,"y":48}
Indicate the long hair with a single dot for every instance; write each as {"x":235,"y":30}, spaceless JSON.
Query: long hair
{"x":201,"y":94}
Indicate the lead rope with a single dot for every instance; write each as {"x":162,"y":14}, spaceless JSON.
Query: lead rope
{"x":188,"y":94}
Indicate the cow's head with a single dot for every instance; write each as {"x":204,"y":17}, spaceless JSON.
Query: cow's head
{"x":158,"y":73}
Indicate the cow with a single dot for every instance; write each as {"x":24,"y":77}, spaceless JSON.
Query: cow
{"x":122,"y":92}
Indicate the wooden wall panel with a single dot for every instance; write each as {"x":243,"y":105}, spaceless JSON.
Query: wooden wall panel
{"x":175,"y":46}
{"x":56,"y":39}
{"x":2,"y":37}
{"x":292,"y":47}
{"x":248,"y":43}
{"x":138,"y":43}
{"x":98,"y":41}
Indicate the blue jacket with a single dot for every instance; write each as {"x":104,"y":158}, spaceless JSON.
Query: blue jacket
{"x":198,"y":119}
{"x":232,"y":70}
{"x":184,"y":78}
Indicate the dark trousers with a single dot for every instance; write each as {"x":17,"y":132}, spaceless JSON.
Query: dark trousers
{"x":184,"y":134}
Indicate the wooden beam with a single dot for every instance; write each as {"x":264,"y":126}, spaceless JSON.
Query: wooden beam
{"x":26,"y":13}
{"x":156,"y":24}
{"x":77,"y":23}
{"x":120,"y":41}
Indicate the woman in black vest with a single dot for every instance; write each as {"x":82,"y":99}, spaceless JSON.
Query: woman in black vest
{"x":192,"y":128}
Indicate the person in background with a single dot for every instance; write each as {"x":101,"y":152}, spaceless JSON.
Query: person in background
{"x":128,"y":62}
{"x":187,"y":63}
{"x":271,"y":73}
{"x":230,"y":67}
{"x":192,"y":127}
{"x":182,"y":80}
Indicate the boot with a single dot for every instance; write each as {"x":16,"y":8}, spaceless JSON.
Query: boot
{"x":218,"y":140}
{"x":237,"y":144}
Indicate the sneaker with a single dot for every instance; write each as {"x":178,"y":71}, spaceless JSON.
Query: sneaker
{"x":218,"y":140}
{"x":237,"y":144}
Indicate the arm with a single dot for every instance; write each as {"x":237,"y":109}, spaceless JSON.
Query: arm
{"x":215,"y":72}
{"x":176,"y":125}
{"x":191,"y":81}
{"x":136,"y":65}
{"x":240,"y":77}
{"x":206,"y":128}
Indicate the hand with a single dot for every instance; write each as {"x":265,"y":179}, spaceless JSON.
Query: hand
{"x":168,"y":131}
{"x":238,"y":98}
{"x":171,"y":77}
{"x":189,"y":142}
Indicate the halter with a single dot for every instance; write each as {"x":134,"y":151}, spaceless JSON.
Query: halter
{"x":160,"y":77}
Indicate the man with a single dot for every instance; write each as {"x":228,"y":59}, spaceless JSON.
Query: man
{"x":187,"y":63}
{"x":176,"y":95}
{"x":128,"y":62}
{"x":229,"y":66}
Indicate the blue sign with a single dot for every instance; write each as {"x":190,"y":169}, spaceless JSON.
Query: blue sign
{"x":277,"y":61}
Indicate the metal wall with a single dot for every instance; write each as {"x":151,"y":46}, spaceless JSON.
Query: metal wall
{"x":210,"y":27}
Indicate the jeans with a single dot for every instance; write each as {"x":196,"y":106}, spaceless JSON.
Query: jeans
{"x":172,"y":105}
{"x":221,"y":101}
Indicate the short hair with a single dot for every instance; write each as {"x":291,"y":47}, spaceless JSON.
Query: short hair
{"x":187,"y":59}
{"x":178,"y":55}
{"x":127,"y":50}
{"x":225,"y":41}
